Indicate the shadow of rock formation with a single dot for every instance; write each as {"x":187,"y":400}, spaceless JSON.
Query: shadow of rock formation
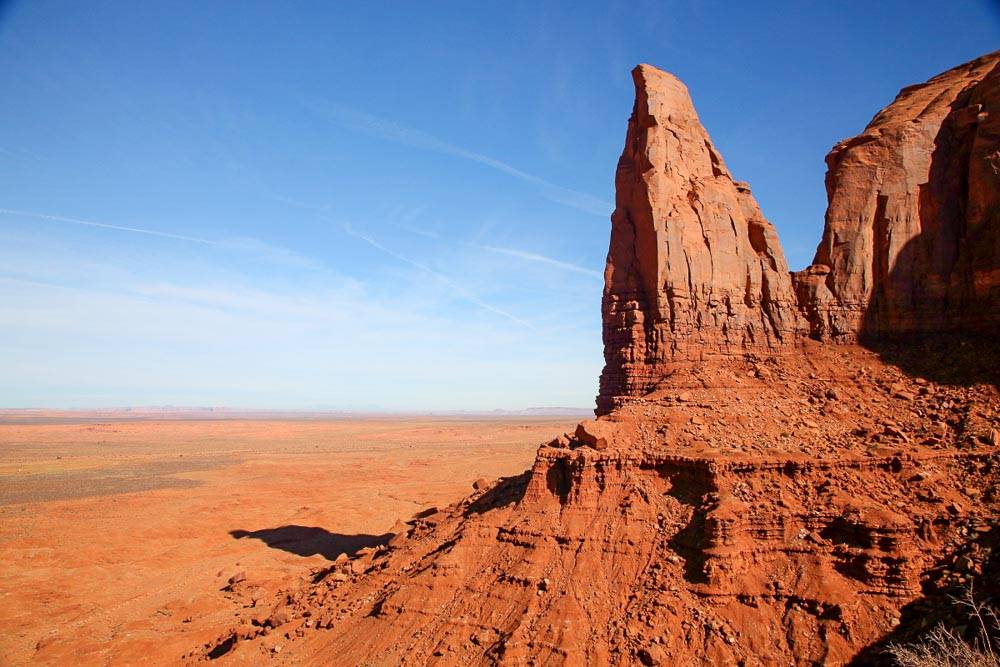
{"x":939,"y":286}
{"x":507,"y":491}
{"x":953,"y":359}
{"x":943,"y":602}
{"x":310,"y":540}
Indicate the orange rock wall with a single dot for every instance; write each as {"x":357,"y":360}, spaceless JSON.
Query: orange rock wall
{"x":911,"y":242}
{"x":693,"y":268}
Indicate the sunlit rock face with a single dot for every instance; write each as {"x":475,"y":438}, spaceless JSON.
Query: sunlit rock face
{"x":694,"y":269}
{"x":912,"y":236}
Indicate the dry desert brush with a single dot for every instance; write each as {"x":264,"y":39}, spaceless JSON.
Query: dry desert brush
{"x":948,"y":647}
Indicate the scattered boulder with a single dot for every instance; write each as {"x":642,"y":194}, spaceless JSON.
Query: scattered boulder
{"x":597,"y":434}
{"x":652,"y":655}
{"x":559,"y":442}
{"x":279,"y":617}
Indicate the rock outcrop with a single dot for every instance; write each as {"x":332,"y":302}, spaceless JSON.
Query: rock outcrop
{"x":759,"y":513}
{"x":912,"y":236}
{"x":694,"y":269}
{"x":749,"y":496}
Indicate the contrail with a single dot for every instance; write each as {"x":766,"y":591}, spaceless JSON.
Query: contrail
{"x":513,"y":252}
{"x":274,"y":254}
{"x":464,"y":293}
{"x":104,"y":225}
{"x":386,"y":129}
{"x":534,"y":257}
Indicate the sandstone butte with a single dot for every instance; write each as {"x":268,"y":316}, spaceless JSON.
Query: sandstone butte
{"x":786,"y":468}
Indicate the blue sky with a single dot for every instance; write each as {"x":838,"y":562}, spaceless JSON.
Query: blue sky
{"x":383,"y":205}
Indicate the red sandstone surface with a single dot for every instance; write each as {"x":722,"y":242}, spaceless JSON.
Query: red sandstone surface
{"x":786,"y":469}
{"x":753,"y":512}
{"x":912,"y":240}
{"x":117,"y":536}
{"x":759,"y":488}
{"x":694,"y":268}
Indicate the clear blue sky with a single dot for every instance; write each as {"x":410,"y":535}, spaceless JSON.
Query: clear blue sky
{"x":383,"y":205}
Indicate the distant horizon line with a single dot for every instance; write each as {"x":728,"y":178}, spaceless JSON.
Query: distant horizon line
{"x":196,"y":410}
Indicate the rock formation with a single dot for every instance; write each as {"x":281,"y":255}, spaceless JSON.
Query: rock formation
{"x":749,"y":496}
{"x":911,"y":239}
{"x":694,"y":268}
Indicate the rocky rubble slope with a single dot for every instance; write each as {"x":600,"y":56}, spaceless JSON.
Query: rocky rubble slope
{"x":750,"y":495}
{"x":715,"y":527}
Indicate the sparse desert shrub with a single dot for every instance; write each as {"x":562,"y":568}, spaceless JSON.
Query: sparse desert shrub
{"x":943,"y":647}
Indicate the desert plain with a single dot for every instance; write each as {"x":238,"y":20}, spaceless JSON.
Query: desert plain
{"x":118,"y":537}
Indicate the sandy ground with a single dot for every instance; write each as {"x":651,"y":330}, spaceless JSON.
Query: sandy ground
{"x":117,"y":538}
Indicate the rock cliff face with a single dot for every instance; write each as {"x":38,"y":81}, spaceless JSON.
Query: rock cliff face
{"x":694,"y":269}
{"x":911,"y":243}
{"x":751,"y":496}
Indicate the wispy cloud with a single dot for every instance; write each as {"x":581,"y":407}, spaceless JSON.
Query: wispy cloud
{"x":271,"y":253}
{"x":535,"y":257}
{"x":104,"y":225}
{"x":92,"y":323}
{"x":510,"y":252}
{"x":252,"y":246}
{"x":426,"y":233}
{"x":386,"y":129}
{"x":457,"y":288}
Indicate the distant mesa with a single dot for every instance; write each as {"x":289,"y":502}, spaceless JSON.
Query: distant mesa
{"x":41,"y":415}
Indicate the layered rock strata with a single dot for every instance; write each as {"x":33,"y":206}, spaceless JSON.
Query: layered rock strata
{"x":754,"y":513}
{"x":694,"y":269}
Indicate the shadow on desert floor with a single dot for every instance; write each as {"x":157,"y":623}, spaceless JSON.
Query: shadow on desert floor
{"x":312,"y":541}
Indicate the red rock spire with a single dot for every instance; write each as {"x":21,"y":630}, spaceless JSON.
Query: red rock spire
{"x":693,"y":267}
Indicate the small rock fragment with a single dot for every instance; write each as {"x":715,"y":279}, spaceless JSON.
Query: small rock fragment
{"x":280,"y":617}
{"x":652,"y":655}
{"x":596,"y":434}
